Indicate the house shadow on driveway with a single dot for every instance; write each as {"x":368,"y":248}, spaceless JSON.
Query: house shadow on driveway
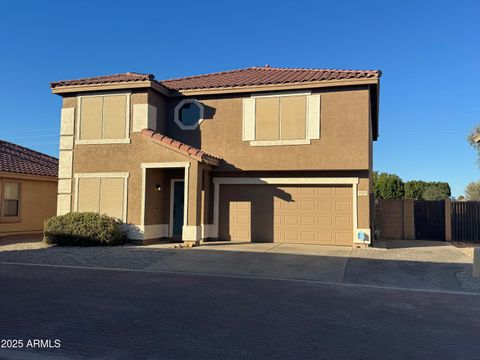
{"x":433,"y":267}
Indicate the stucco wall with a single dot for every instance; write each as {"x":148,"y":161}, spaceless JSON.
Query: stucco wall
{"x":124,"y":158}
{"x":38,"y":202}
{"x":344,"y":146}
{"x":344,"y":135}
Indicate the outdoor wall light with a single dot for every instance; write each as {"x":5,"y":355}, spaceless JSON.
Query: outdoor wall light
{"x":158,"y":187}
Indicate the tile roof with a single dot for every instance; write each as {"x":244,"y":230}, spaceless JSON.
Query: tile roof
{"x":252,"y":76}
{"x":126,"y":77}
{"x":18,"y":159}
{"x":188,"y":150}
{"x":265,"y":76}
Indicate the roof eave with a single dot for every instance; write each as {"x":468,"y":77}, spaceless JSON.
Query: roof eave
{"x":17,"y":175}
{"x":275,"y":87}
{"x":123,"y":85}
{"x":202,"y":157}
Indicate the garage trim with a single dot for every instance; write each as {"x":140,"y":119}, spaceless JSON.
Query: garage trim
{"x":281,"y":181}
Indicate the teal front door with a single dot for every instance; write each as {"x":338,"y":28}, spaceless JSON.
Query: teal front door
{"x":178,"y":200}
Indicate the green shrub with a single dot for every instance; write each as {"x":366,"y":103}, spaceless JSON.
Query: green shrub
{"x":83,"y":229}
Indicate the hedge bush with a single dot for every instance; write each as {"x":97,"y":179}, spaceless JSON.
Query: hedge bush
{"x":83,"y":229}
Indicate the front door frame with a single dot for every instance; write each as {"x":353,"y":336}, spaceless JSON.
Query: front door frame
{"x":164,"y":165}
{"x":172,"y":200}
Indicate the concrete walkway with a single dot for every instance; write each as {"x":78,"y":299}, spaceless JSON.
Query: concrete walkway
{"x":403,"y":264}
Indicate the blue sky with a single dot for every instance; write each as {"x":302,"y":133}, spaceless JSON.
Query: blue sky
{"x":428,"y":51}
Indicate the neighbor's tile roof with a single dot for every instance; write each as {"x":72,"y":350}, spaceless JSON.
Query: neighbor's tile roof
{"x":18,"y":159}
{"x":126,"y":77}
{"x":267,"y":75}
{"x":253,"y":76}
{"x":188,"y":150}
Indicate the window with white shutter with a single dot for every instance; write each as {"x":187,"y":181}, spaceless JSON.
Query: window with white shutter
{"x":281,"y":119}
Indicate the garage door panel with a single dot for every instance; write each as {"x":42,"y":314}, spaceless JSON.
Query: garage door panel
{"x":325,"y":237}
{"x":308,"y":191}
{"x":308,"y":236}
{"x":323,"y":215}
{"x":343,"y":206}
{"x":308,"y":220}
{"x":325,"y":221}
{"x":320,"y":214}
{"x":324,"y":205}
{"x":291,"y":236}
{"x":240,"y":221}
{"x":290,"y":220}
{"x":277,"y":219}
{"x":308,"y":205}
{"x":343,"y":238}
{"x":342,"y":221}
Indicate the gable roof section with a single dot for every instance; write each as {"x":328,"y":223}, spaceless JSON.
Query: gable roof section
{"x":252,"y":76}
{"x":178,"y":146}
{"x":107,"y":79}
{"x":256,"y":76}
{"x":21,"y":160}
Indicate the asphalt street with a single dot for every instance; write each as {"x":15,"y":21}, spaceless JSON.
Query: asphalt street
{"x":109,"y":314}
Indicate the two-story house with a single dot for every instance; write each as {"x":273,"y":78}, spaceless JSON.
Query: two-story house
{"x":259,"y":154}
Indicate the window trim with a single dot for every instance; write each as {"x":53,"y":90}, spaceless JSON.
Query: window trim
{"x":281,"y":94}
{"x":177,"y":114}
{"x":125,"y":140}
{"x":282,"y":142}
{"x":123,"y":175}
{"x":10,"y":219}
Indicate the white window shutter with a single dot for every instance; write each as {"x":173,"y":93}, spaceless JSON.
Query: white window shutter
{"x":140,"y":117}
{"x":248,"y":119}
{"x":313,"y":117}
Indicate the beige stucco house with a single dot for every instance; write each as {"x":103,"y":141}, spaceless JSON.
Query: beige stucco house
{"x":28,"y":189}
{"x":258,"y":154}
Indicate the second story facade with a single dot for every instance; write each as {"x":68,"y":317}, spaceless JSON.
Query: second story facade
{"x":304,"y":130}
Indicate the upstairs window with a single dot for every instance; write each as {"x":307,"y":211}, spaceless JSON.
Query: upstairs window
{"x":188,"y":114}
{"x":103,"y":118}
{"x":11,"y":200}
{"x":285,"y":119}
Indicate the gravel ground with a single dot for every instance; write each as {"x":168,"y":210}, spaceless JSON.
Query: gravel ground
{"x":31,"y":249}
{"x":22,"y":242}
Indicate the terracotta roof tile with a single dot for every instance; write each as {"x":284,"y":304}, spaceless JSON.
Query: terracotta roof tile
{"x":126,"y":77}
{"x":265,"y":76}
{"x":188,"y":150}
{"x":253,"y":76}
{"x":18,"y":159}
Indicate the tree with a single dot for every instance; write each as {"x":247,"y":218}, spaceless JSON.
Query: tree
{"x":414,"y":189}
{"x":387,"y":186}
{"x":472,"y":191}
{"x":434,"y":192}
{"x":474,"y":140}
{"x":461,"y":198}
{"x":443,"y":187}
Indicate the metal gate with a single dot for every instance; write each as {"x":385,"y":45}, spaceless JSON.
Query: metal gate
{"x":429,"y":220}
{"x":466,"y":221}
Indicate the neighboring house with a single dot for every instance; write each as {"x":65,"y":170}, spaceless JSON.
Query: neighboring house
{"x":258,"y":154}
{"x":28,"y":189}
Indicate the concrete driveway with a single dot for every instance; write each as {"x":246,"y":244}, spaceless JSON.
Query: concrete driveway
{"x":401,"y":264}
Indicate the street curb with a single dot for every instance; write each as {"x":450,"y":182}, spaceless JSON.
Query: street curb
{"x":313,"y":282}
